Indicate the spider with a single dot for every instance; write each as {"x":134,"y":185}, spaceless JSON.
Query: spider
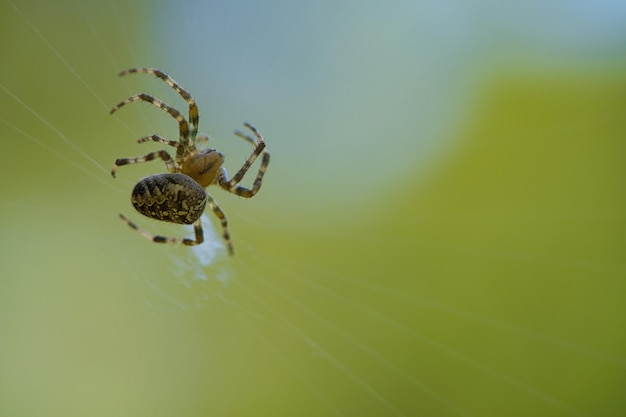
{"x":179,"y":196}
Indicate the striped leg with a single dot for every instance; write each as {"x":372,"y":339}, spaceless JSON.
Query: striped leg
{"x":149,"y":157}
{"x":183,"y":126}
{"x":197,"y":227}
{"x":193,"y":108}
{"x":232,"y":184}
{"x":220,"y":215}
{"x":157,"y":138}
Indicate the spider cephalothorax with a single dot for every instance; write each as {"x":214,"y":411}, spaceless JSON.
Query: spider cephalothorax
{"x":179,"y":196}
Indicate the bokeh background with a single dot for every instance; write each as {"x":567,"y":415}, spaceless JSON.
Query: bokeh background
{"x":440,"y":232}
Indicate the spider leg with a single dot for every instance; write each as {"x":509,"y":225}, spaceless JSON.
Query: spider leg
{"x":193,"y":108}
{"x":231,"y":185}
{"x":197,"y":227}
{"x":220,"y":215}
{"x":158,"y":138}
{"x":171,"y":167}
{"x":183,"y":126}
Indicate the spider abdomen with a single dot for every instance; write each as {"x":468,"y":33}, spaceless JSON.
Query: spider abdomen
{"x":174,"y":198}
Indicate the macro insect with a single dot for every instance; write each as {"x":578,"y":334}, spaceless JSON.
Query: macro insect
{"x":179,"y":196}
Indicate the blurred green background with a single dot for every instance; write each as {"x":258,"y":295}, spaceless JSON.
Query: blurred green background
{"x":440,"y":232}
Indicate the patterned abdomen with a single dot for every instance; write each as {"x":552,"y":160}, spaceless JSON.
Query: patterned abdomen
{"x":172,"y":198}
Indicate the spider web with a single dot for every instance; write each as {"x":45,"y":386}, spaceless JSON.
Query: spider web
{"x":382,"y":270}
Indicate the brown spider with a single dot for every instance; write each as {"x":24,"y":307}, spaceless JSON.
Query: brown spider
{"x":179,"y":196}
